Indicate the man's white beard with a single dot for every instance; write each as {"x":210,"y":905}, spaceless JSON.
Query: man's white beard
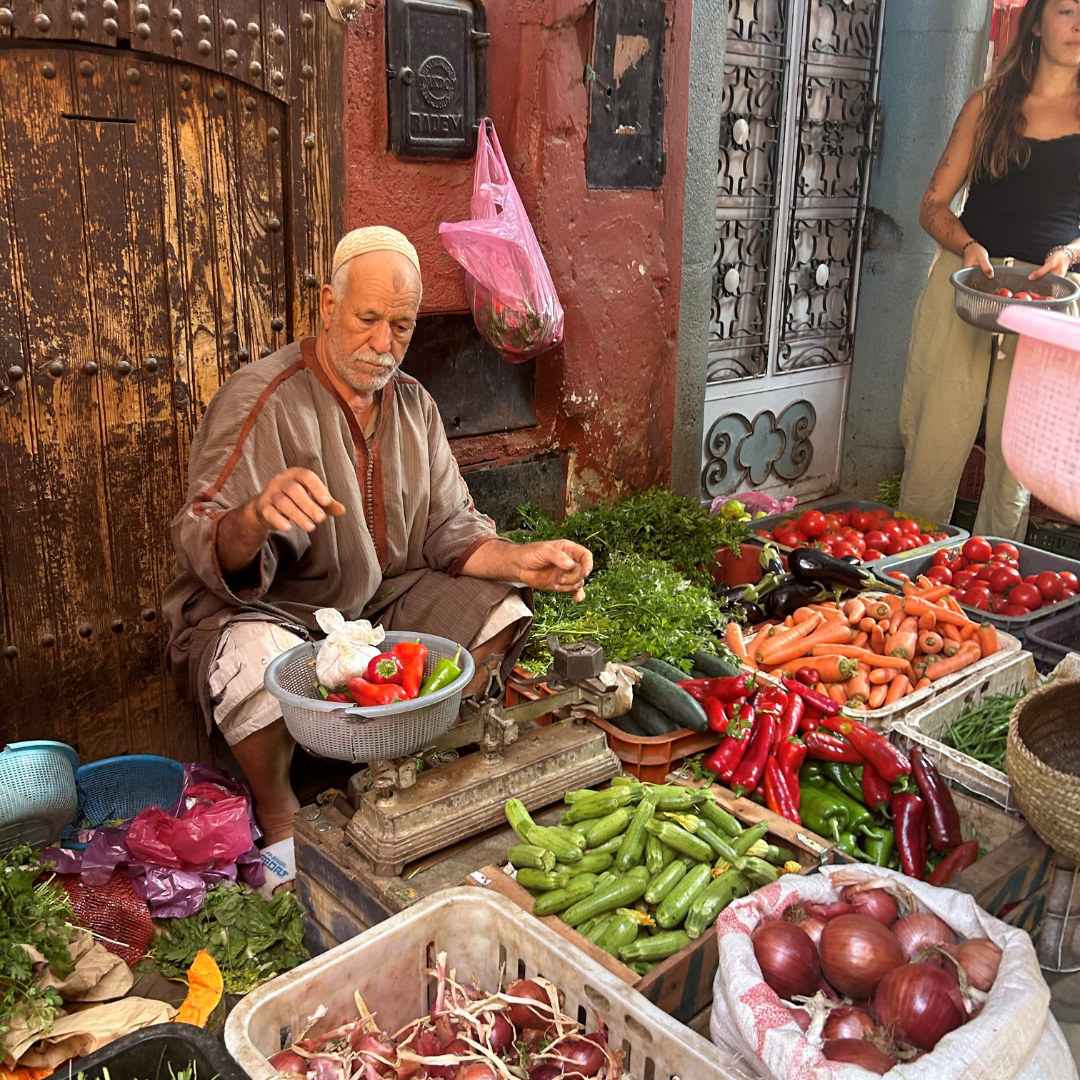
{"x":350,"y":374}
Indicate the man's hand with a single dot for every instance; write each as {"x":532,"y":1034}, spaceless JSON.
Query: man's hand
{"x":296,"y":497}
{"x":555,"y":565}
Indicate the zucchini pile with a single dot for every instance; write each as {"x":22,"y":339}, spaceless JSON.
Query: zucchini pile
{"x":661,"y":706}
{"x":641,"y":869}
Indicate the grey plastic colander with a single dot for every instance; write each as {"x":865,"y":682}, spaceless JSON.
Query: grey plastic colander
{"x":976,"y":300}
{"x":352,"y":733}
{"x":37,"y":792}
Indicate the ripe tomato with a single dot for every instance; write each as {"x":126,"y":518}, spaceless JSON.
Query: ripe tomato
{"x":980,"y":586}
{"x":1025,"y":594}
{"x":962,"y":579}
{"x":998,"y":605}
{"x":843,"y":549}
{"x":949,"y":557}
{"x":763,"y":534}
{"x":892,"y":528}
{"x":881,"y":514}
{"x":1066,"y":593}
{"x":977,"y":549}
{"x":1049,"y":584}
{"x":1003,"y":578}
{"x":877,"y":539}
{"x":789,"y":539}
{"x":861,"y":520}
{"x":909,"y":527}
{"x":939,"y":575}
{"x":870,"y":554}
{"x":1016,"y":611}
{"x":1069,"y":580}
{"x":1010,"y":551}
{"x":812,"y":523}
{"x":1031,"y":579}
{"x":845,"y":518}
{"x":833,"y":523}
{"x":924,"y":539}
{"x":976,"y":598}
{"x":782,"y":527}
{"x":984,"y":573}
{"x":896,"y":546}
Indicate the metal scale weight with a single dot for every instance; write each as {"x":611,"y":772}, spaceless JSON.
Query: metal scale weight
{"x":401,"y":814}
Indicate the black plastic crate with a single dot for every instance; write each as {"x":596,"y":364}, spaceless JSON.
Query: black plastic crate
{"x":963,"y":515}
{"x":146,"y":1054}
{"x":1058,"y":541}
{"x":1051,"y":640}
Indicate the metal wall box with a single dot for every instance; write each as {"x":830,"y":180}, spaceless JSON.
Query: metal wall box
{"x":436,"y":56}
{"x":625,"y":147}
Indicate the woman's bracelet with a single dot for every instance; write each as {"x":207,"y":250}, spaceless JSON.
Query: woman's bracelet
{"x":1065,"y":249}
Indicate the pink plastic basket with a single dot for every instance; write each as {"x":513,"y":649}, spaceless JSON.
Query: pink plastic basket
{"x":1041,"y":434}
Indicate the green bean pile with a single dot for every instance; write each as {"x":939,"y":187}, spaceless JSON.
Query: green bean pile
{"x":984,"y":732}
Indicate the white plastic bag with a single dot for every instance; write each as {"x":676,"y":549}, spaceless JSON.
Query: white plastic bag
{"x":348,"y":649}
{"x":1013,"y":1036}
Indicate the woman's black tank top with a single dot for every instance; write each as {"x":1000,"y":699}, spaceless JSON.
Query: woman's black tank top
{"x":1029,"y":211}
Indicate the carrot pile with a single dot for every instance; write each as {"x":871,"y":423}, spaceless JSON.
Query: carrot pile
{"x":873,"y":650}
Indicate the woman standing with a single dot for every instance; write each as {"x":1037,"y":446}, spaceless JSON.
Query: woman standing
{"x":1016,"y":145}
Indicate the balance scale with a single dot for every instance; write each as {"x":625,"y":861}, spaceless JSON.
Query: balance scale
{"x":403,"y":814}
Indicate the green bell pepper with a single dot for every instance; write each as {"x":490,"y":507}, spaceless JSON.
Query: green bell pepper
{"x":847,"y":843}
{"x":822,"y":812}
{"x":811,"y":774}
{"x":879,"y":845}
{"x":858,"y":815}
{"x":847,"y":777}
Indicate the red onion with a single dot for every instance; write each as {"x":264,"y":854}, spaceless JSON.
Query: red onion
{"x":920,"y":1003}
{"x":916,"y":932}
{"x":856,"y":951}
{"x":877,"y":903}
{"x":445,"y":1029}
{"x":532,"y":1037}
{"x":545,"y":1072}
{"x":371,"y":1046}
{"x":502,"y":1032}
{"x":857,"y":1052}
{"x":325,"y":1068}
{"x":458,"y":1048}
{"x":789,"y":962}
{"x":979,"y":957}
{"x":813,"y":926}
{"x":801,"y":1017}
{"x":576,"y":1054}
{"x":289,"y":1061}
{"x":476,"y":1070}
{"x":524,"y":1016}
{"x":847,"y":1022}
{"x":825,"y":912}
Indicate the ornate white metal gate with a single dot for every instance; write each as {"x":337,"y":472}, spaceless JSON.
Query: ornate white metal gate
{"x":800,"y":103}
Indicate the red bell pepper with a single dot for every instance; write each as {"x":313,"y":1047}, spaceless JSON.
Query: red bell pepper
{"x":385,"y":668}
{"x":725,"y":759}
{"x":940,"y":808}
{"x":875,"y":791}
{"x":412,"y":656}
{"x":369,"y":693}
{"x":714,"y":712}
{"x":811,"y":719}
{"x":808,"y":676}
{"x":909,"y":828}
{"x":822,"y":746}
{"x":790,"y":755}
{"x":888,"y":759}
{"x":960,"y":858}
{"x":822,"y":702}
{"x":778,"y":794}
{"x":726,"y":689}
{"x":748,"y":775}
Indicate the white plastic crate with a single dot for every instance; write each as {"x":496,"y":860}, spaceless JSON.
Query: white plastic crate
{"x":925,"y":726}
{"x":482,"y":933}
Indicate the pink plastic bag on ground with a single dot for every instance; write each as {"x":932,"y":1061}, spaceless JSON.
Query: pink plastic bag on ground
{"x":209,"y":835}
{"x":513,"y":299}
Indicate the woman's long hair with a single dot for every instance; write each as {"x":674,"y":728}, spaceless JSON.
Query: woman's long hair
{"x":999,"y":134}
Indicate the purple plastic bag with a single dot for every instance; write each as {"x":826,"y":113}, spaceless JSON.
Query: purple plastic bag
{"x":513,"y":299}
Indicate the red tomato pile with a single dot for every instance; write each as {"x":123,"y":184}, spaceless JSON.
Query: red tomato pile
{"x":866,"y":534}
{"x":1009,"y":295}
{"x":987,"y":577}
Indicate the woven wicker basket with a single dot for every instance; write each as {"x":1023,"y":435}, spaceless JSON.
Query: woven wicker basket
{"x":1043,"y":763}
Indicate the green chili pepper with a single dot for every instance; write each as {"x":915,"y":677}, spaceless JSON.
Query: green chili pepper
{"x":821,"y":812}
{"x":847,"y":777}
{"x":879,"y":845}
{"x":858,"y":815}
{"x":847,"y":844}
{"x":445,"y":672}
{"x":811,"y":774}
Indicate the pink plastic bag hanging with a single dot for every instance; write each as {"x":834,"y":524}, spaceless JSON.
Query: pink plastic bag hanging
{"x":513,"y":299}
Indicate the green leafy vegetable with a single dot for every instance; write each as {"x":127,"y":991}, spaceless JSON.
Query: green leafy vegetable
{"x":251,"y":939}
{"x":630,"y":606}
{"x":38,"y":916}
{"x":655,"y":524}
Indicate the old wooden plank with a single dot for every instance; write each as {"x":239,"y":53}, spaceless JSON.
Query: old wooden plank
{"x":69,"y":461}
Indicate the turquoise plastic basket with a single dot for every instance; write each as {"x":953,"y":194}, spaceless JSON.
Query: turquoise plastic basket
{"x":37,"y":792}
{"x":116,"y":789}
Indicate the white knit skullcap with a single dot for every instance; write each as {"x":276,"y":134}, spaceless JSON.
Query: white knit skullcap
{"x":373,"y":238}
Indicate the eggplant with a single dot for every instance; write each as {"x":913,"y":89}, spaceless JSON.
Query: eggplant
{"x":754,"y":612}
{"x":786,"y":599}
{"x":808,"y":565}
{"x":851,"y":560}
{"x":770,"y":560}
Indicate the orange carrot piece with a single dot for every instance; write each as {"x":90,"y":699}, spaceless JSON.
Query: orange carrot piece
{"x":864,"y":655}
{"x":988,"y":639}
{"x":953,"y":605}
{"x":861,"y":639}
{"x":829,"y":668}
{"x":949,"y":631}
{"x":931,"y":642}
{"x":923,"y":682}
{"x":779,"y":635}
{"x":928,"y":621}
{"x":838,"y":692}
{"x":881,"y":675}
{"x":734,"y":641}
{"x":916,"y":605}
{"x":898,"y":688}
{"x":877,"y":695}
{"x":969,"y":632}
{"x":829,"y":611}
{"x":800,"y":615}
{"x":828,"y":634}
{"x":854,"y":610}
{"x":968,"y":654}
{"x":867,"y":624}
{"x":858,"y":686}
{"x":878,"y":609}
{"x":877,"y":640}
{"x":897,"y":617}
{"x":891,"y":601}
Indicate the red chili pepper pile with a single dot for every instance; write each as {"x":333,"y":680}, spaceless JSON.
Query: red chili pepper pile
{"x":391,"y":676}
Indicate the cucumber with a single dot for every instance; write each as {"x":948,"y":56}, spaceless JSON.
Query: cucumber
{"x":569,"y":834}
{"x":673,"y":701}
{"x":654,"y":854}
{"x":673,"y":908}
{"x":779,"y":855}
{"x":650,"y":719}
{"x":556,"y":900}
{"x":622,"y":891}
{"x":713,"y":899}
{"x":589,"y":864}
{"x":633,"y":844}
{"x":523,"y":855}
{"x":542,"y":879}
{"x":520,"y":820}
{"x":608,"y":847}
{"x":665,"y":881}
{"x":564,"y":850}
{"x":656,"y":948}
{"x":622,"y":929}
{"x":598,"y":927}
{"x":603,"y":829}
{"x":666,"y":670}
{"x":682,"y":841}
{"x":624,"y":793}
{"x":672,"y":797}
{"x":714,"y":666}
{"x":717,"y":816}
{"x":628,"y":725}
{"x":624,"y":778}
{"x":597,"y":806}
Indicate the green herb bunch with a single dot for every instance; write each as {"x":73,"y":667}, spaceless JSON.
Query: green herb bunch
{"x":37,"y":915}
{"x":251,"y":939}
{"x":656,"y":524}
{"x":632,"y":605}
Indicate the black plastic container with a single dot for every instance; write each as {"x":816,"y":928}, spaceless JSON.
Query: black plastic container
{"x":1051,"y":640}
{"x":146,"y":1054}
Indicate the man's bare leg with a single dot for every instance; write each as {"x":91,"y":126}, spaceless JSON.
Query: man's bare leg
{"x":488,"y":656}
{"x":265,"y":757}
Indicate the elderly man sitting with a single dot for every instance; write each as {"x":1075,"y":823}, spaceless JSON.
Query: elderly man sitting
{"x":321,"y":476}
